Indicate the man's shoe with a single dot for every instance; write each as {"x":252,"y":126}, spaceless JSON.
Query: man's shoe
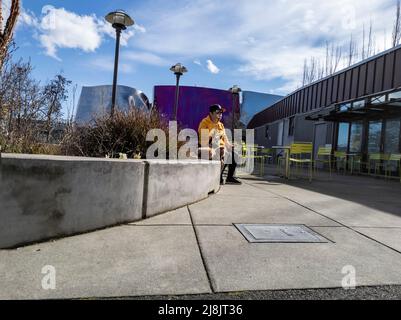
{"x":233,"y":181}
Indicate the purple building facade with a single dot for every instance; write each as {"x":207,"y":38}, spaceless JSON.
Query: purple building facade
{"x":194,"y":104}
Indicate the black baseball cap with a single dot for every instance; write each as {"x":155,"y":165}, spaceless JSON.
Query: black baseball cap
{"x":216,"y":107}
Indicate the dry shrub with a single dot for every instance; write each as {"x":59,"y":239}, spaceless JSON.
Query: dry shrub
{"x":109,"y":136}
{"x":28,"y":145}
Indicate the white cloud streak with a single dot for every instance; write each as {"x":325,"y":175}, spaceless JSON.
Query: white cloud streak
{"x":58,"y":28}
{"x":266,"y":39}
{"x":146,"y":58}
{"x":212,"y":67}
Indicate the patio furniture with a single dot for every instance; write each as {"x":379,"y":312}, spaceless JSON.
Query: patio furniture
{"x":266,"y":153}
{"x":300,"y":154}
{"x":250,"y":152}
{"x":355,"y":160}
{"x":340,"y":157}
{"x":283,"y":161}
{"x":393,"y":158}
{"x":323,"y":156}
{"x":378,"y":161}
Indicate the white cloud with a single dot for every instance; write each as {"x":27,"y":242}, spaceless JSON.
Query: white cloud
{"x":212,"y":67}
{"x":266,"y":39}
{"x":58,"y":28}
{"x":145,"y":57}
{"x":107,"y":64}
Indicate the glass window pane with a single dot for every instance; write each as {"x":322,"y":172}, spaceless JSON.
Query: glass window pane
{"x":374,"y":140}
{"x":378,"y":99}
{"x":344,"y":107}
{"x":355,"y":142}
{"x":358,"y":104}
{"x":392,"y":138}
{"x":395,"y":95}
{"x":342,"y":143}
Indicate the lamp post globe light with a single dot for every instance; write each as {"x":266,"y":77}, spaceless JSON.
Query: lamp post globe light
{"x":178,"y":69}
{"x":120,"y":21}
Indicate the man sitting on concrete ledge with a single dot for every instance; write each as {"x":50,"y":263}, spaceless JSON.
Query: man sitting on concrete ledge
{"x":215,"y":128}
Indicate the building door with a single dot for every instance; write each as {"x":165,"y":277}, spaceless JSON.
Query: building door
{"x":319,"y":139}
{"x":280,"y":133}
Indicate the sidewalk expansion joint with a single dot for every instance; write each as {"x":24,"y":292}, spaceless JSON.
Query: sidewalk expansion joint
{"x":321,"y":214}
{"x":205,"y":266}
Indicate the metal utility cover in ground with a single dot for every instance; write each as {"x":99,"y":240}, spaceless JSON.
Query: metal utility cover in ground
{"x":276,"y":233}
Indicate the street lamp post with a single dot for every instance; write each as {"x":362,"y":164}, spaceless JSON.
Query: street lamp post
{"x":178,"y":70}
{"x":235,"y":90}
{"x":120,"y":21}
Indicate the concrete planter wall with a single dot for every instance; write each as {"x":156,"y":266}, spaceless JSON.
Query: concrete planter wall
{"x":43,"y":197}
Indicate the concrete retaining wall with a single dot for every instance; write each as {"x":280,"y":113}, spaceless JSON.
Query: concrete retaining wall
{"x":43,"y":197}
{"x":190,"y":182}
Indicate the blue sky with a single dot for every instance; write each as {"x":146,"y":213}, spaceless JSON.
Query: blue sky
{"x":259,"y":45}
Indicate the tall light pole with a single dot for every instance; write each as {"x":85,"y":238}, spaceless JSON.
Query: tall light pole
{"x":178,"y":70}
{"x":235,"y":90}
{"x":120,"y":21}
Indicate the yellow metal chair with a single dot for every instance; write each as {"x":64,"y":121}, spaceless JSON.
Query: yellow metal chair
{"x":253,"y":155}
{"x":340,"y":157}
{"x":300,"y":154}
{"x":378,"y":161}
{"x":323,"y":156}
{"x":393,"y":158}
{"x":267,"y":153}
{"x":356,"y":162}
{"x":281,"y":162}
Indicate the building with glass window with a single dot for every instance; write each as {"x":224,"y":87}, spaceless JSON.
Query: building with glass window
{"x":356,"y":110}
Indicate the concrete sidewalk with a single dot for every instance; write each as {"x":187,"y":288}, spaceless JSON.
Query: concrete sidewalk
{"x":198,"y":250}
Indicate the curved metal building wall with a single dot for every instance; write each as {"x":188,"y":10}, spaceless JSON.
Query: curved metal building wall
{"x":97,"y":101}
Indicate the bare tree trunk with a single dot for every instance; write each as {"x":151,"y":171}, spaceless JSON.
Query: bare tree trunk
{"x":337,"y":58}
{"x":363,"y":56}
{"x":305,"y":73}
{"x":351,"y":51}
{"x":1,"y":16}
{"x":7,"y":33}
{"x":370,"y":48}
{"x":397,"y":26}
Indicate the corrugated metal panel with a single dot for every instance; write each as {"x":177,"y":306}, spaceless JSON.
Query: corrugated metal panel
{"x":354,"y":84}
{"x":329,"y":91}
{"x":334,"y":93}
{"x":347,"y":88}
{"x":293,"y":97}
{"x":389,"y":71}
{"x":362,"y":80}
{"x":379,"y":75}
{"x":324,"y":91}
{"x":397,"y":70}
{"x":370,"y":80}
{"x":319,"y":95}
{"x":341,"y":86}
{"x":376,"y":74}
{"x":313,"y":98}
{"x":308,"y":105}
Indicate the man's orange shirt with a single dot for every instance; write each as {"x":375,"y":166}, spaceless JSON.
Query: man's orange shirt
{"x":216,"y":130}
